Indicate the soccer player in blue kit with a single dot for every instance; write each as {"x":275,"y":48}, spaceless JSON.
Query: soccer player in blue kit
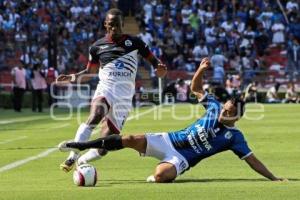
{"x":178,"y":151}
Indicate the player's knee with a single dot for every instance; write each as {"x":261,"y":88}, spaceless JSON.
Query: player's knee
{"x":163,"y":177}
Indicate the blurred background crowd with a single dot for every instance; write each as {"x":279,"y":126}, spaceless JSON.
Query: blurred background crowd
{"x":253,"y":44}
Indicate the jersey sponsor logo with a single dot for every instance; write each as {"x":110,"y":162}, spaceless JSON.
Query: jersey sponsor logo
{"x":128,"y":43}
{"x":228,"y":135}
{"x":120,"y":74}
{"x":193,"y":144}
{"x":119,"y":64}
{"x":203,"y":137}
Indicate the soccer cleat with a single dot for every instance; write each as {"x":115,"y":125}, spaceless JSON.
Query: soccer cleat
{"x":67,"y":165}
{"x":64,"y":147}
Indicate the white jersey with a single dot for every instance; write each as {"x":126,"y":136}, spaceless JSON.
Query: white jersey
{"x":118,"y":76}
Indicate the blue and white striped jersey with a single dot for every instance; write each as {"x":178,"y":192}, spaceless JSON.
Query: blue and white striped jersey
{"x":207,"y":136}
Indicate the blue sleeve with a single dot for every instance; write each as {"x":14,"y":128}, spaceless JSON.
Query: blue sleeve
{"x":240,"y":146}
{"x":210,"y":102}
{"x":213,"y":109}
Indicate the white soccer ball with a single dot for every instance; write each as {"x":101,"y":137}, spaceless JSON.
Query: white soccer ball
{"x":85,"y":175}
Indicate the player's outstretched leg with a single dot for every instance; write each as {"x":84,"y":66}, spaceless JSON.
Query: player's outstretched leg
{"x":112,"y":142}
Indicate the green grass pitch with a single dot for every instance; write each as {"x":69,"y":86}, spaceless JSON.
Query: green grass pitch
{"x":273,"y":135}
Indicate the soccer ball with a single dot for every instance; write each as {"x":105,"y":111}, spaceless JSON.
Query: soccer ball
{"x":85,"y":175}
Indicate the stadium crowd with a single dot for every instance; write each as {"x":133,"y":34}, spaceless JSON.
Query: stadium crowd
{"x":237,"y":35}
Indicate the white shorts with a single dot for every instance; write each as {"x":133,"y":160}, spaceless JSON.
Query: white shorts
{"x":119,"y":108}
{"x":160,"y":146}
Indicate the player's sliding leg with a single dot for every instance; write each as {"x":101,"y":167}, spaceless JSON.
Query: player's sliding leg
{"x":99,"y":109}
{"x":110,"y":143}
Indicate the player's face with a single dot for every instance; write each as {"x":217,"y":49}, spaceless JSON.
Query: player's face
{"x":228,"y":114}
{"x":113,"y":25}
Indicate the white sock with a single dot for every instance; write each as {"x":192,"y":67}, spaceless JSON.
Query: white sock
{"x":90,"y":155}
{"x":82,"y":135}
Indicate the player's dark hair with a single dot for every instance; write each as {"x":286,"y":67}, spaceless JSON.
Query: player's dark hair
{"x":115,"y":11}
{"x":239,"y":104}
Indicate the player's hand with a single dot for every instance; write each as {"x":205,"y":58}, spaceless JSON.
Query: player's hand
{"x":64,"y":79}
{"x":205,"y":63}
{"x":161,"y":70}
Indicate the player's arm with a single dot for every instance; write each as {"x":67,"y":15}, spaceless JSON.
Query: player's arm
{"x":84,"y":75}
{"x":160,"y":68}
{"x":80,"y":77}
{"x":197,"y":81}
{"x":260,"y":168}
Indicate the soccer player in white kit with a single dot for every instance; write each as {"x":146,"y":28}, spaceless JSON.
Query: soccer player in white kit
{"x":115,"y":56}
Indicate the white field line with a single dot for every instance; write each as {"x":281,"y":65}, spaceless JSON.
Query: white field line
{"x":22,"y":120}
{"x":51,"y":150}
{"x":24,"y":161}
{"x":61,"y":126}
{"x":12,"y":140}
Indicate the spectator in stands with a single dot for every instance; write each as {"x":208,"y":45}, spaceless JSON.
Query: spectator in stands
{"x":200,"y":51}
{"x":38,"y":83}
{"x":190,"y":36}
{"x":148,"y":10}
{"x":293,"y":54}
{"x":261,"y":40}
{"x":291,"y":96}
{"x":218,"y":61}
{"x":292,"y":5}
{"x":177,"y":35}
{"x":294,"y":26}
{"x":246,"y":67}
{"x":145,"y":36}
{"x":51,"y":74}
{"x":233,"y":85}
{"x":228,"y":86}
{"x":235,"y":62}
{"x":251,"y":92}
{"x":272,"y":94}
{"x":278,"y":30}
{"x":169,"y":92}
{"x":266,"y":18}
{"x":19,"y":86}
{"x":178,"y":62}
{"x":182,"y":91}
{"x":185,"y":13}
{"x":210,"y":35}
{"x":194,"y":20}
{"x":239,"y":25}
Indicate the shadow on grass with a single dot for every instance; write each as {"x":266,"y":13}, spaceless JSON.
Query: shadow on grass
{"x":227,"y":180}
{"x":109,"y":183}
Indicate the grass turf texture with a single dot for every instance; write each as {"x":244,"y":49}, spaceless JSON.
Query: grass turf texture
{"x":274,"y":139}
